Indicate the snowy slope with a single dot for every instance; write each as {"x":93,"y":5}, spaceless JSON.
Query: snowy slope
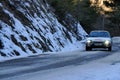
{"x":30,"y":27}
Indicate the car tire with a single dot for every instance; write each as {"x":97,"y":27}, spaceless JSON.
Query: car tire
{"x":110,"y":48}
{"x":88,"y":48}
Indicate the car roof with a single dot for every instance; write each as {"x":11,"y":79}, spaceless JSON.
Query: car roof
{"x":99,"y":31}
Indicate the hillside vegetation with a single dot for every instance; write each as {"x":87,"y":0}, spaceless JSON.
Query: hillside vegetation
{"x":29,"y":27}
{"x":92,"y":14}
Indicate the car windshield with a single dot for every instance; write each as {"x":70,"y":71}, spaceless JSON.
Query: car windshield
{"x":99,"y":34}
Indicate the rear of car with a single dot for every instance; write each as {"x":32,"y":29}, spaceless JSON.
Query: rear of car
{"x":99,"y":39}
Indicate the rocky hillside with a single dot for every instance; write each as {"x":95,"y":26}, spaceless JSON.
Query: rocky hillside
{"x":30,"y":27}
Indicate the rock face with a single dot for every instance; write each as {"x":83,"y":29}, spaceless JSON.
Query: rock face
{"x":30,"y":27}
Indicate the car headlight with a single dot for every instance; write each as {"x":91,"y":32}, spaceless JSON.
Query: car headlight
{"x":107,"y":42}
{"x":89,"y":41}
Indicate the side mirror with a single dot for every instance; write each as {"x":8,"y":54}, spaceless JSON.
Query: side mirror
{"x":87,"y":35}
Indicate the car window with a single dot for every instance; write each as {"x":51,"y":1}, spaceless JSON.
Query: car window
{"x":99,"y":34}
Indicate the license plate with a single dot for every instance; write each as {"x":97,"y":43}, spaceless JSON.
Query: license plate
{"x":98,"y":44}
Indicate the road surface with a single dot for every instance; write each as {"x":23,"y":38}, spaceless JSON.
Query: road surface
{"x":9,"y":70}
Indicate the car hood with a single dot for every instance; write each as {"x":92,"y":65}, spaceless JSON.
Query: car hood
{"x":98,"y":38}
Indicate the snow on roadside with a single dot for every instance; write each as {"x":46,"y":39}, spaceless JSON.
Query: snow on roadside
{"x":107,"y":68}
{"x":68,"y":49}
{"x":92,"y":71}
{"x":116,"y":39}
{"x":73,"y":47}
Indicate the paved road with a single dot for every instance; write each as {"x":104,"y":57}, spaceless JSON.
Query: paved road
{"x":42,"y":62}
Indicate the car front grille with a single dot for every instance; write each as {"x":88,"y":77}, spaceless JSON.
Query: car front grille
{"x":98,"y":42}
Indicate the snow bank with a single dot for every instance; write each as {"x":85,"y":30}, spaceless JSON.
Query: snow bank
{"x":30,"y":28}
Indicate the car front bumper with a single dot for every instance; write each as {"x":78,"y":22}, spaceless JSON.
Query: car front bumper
{"x":98,"y":45}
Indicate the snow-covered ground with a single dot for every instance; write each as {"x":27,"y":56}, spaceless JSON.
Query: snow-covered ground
{"x":34,"y":30}
{"x":69,"y":48}
{"x":104,"y":69}
{"x":21,"y":40}
{"x":107,"y":68}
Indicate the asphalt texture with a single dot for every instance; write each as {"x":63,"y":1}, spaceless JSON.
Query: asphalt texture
{"x":42,"y":62}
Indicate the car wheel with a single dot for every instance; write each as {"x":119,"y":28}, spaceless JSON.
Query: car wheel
{"x":110,"y":48}
{"x":88,"y":48}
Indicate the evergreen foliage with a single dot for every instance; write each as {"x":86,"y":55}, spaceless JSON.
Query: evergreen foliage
{"x":89,"y":15}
